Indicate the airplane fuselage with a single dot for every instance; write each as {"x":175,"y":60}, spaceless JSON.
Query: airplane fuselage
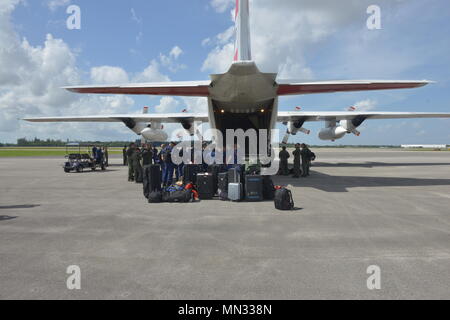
{"x":243,"y":98}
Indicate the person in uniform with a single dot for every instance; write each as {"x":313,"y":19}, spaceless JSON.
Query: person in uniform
{"x":138,"y":171}
{"x":99,"y":156}
{"x":297,"y":161}
{"x":125,"y":158}
{"x":106,"y":156}
{"x":306,"y":160}
{"x":131,"y":154}
{"x":147,"y":155}
{"x":284,"y":157}
{"x":94,"y":152}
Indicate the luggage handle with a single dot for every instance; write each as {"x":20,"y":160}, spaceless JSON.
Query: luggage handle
{"x":292,"y":199}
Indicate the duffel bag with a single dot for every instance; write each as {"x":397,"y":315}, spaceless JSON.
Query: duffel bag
{"x":182,"y":196}
{"x":155,"y":197}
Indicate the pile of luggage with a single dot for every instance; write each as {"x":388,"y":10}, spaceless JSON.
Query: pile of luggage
{"x":235,"y":184}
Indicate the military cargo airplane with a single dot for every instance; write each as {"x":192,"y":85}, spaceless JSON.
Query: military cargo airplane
{"x":246,"y":98}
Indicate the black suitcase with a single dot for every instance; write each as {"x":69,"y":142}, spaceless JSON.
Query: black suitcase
{"x":139,"y":175}
{"x":215,"y":170}
{"x":205,"y":186}
{"x":190,"y":172}
{"x":151,"y":179}
{"x":222,"y":184}
{"x":268,"y":188}
{"x":254,"y":188}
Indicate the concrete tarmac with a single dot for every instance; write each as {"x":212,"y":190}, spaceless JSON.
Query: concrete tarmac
{"x":359,"y":208}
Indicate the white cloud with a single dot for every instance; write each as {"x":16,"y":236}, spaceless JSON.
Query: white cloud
{"x":195,"y":104}
{"x":170,"y":61}
{"x":31,"y":78}
{"x":285,"y":32}
{"x":176,"y":52}
{"x":53,"y":5}
{"x":151,"y":74}
{"x":221,"y":5}
{"x":108,"y":75}
{"x":167,"y":105}
{"x":219,"y":59}
{"x":206,"y":42}
{"x":366,"y":105}
{"x":135,"y":18}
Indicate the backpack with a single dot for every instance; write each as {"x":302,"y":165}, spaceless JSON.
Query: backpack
{"x":283,"y":199}
{"x":312,"y":156}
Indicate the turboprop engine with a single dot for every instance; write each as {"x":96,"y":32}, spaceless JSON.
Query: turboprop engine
{"x":293,"y":128}
{"x":189,"y":126}
{"x":150,"y":134}
{"x":332,"y":133}
{"x":149,"y":131}
{"x":335,"y":131}
{"x":352,"y":125}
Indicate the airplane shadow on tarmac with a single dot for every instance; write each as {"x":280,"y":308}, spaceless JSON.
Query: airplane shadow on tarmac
{"x":6,"y":218}
{"x":22,"y":206}
{"x":329,"y":183}
{"x":377,"y":164}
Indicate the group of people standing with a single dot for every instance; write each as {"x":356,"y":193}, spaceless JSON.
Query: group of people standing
{"x":137,"y":158}
{"x":303,"y":157}
{"x":100,"y":155}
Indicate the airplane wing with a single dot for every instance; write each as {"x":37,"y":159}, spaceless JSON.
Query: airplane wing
{"x":188,"y":88}
{"x":163,"y":118}
{"x":287,"y":87}
{"x":282,"y":117}
{"x":350,"y":115}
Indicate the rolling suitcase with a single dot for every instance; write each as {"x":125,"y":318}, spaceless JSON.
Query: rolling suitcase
{"x":205,"y":186}
{"x":235,"y":191}
{"x":138,"y":175}
{"x":254,"y":188}
{"x":268,"y":188}
{"x":190,"y":172}
{"x":215,"y":170}
{"x":151,"y":179}
{"x":222,"y":184}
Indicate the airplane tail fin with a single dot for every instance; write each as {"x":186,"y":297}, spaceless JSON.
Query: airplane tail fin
{"x":242,"y":48}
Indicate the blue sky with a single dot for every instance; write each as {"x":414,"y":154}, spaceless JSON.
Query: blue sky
{"x":314,"y":40}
